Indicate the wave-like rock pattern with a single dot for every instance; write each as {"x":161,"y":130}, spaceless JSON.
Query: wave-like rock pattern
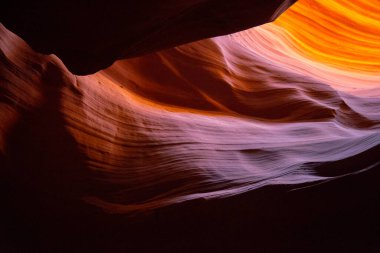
{"x":205,"y":120}
{"x":213,"y":120}
{"x":335,"y":42}
{"x":84,"y":157}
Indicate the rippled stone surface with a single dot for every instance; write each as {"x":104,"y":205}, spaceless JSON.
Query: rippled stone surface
{"x":184,"y":148}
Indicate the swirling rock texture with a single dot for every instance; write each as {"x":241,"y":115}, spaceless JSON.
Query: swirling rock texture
{"x":266,"y":140}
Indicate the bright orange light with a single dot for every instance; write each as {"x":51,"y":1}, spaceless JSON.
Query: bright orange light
{"x":340,"y":33}
{"x":336,"y":42}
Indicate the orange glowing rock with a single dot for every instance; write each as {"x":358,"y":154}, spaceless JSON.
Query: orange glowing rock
{"x":228,"y":130}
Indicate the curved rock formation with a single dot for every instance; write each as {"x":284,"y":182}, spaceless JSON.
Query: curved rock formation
{"x":148,"y":134}
{"x":342,"y":51}
{"x":183,"y":148}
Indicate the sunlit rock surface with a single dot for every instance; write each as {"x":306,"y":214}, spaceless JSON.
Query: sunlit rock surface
{"x":336,"y":42}
{"x":215,"y":130}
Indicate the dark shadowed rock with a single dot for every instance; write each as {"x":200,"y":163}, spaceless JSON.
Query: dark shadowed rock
{"x":91,"y":35}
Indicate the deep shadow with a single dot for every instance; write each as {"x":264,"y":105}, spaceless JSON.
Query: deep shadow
{"x":43,"y":173}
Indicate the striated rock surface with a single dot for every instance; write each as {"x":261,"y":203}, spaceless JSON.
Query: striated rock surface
{"x":189,"y":148}
{"x":336,"y":43}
